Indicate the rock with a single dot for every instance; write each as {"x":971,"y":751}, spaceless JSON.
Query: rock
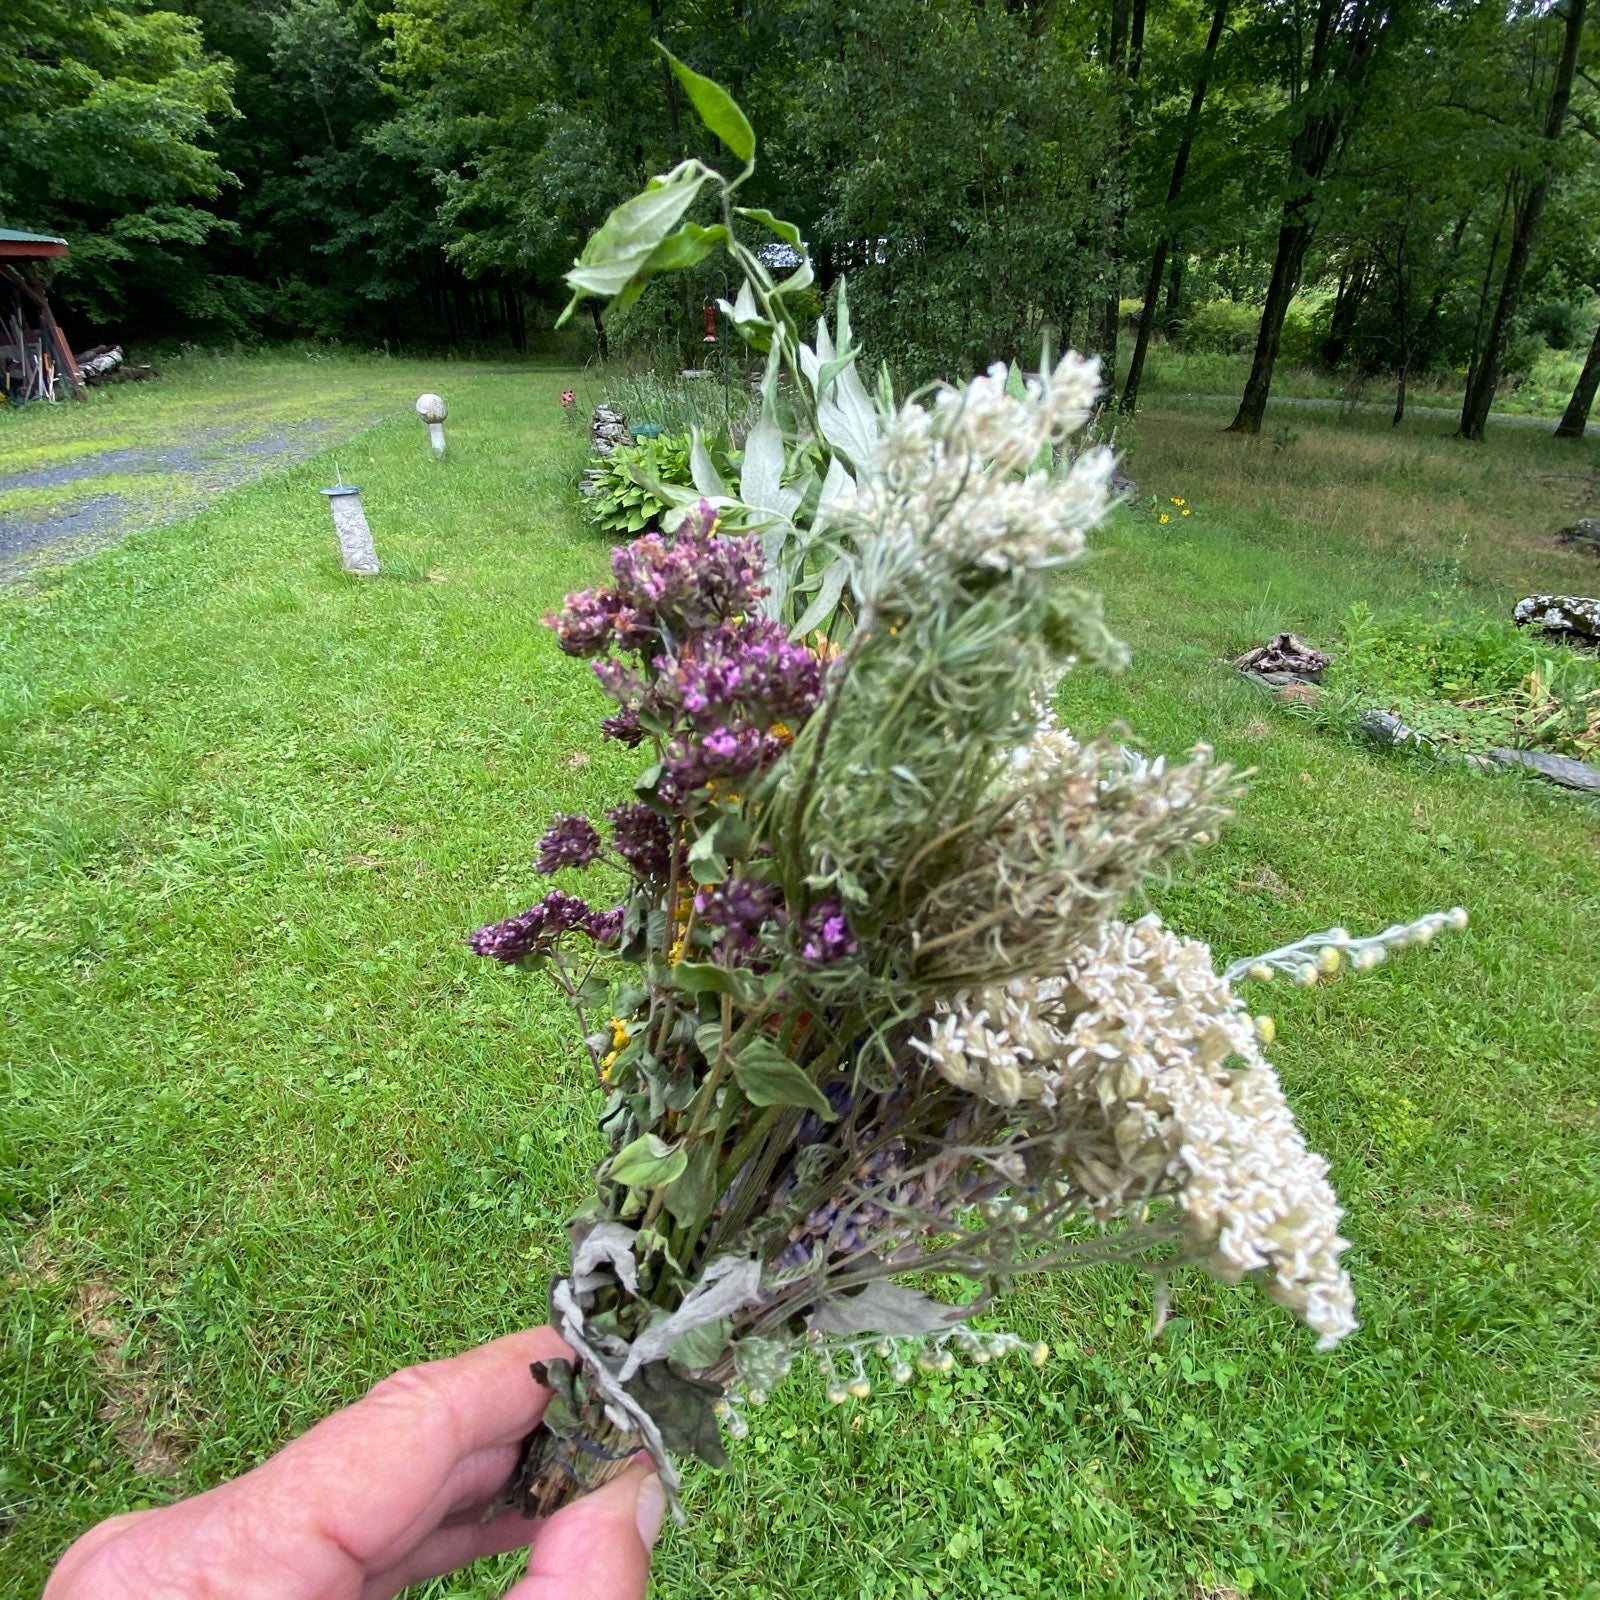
{"x":608,"y":428}
{"x":1564,"y":770}
{"x":1384,"y":727}
{"x":1285,"y":654}
{"x":1584,"y":533}
{"x":1299,"y":693}
{"x":1575,"y":618}
{"x":1123,"y":486}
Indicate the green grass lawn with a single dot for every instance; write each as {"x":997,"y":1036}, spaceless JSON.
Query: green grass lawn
{"x":268,"y":1131}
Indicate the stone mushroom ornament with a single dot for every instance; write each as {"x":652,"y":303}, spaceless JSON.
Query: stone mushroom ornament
{"x":431,"y":408}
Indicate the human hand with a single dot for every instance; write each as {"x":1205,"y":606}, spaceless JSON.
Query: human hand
{"x":388,"y":1492}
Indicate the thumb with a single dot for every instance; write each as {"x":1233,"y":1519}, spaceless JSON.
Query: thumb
{"x":598,"y":1547}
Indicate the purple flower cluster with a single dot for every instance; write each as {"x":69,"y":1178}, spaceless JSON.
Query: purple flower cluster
{"x":642,"y":839}
{"x":679,"y":650}
{"x":736,"y":910}
{"x":624,"y":727}
{"x":665,"y":588}
{"x":583,"y":627}
{"x":693,"y":582}
{"x":860,"y":1214}
{"x":568,"y":842}
{"x":747,"y":670}
{"x":825,"y":935}
{"x":693,"y":762}
{"x":605,"y":927}
{"x":536,"y":931}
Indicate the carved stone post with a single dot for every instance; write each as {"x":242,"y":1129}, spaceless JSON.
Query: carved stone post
{"x":356,"y":552}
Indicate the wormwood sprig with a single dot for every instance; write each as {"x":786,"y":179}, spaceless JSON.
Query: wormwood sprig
{"x":873,"y":1006}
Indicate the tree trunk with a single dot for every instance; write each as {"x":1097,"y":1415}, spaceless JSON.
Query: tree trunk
{"x":1180,"y":162}
{"x":1124,"y":55}
{"x":1172,"y":311}
{"x":601,"y":347}
{"x":1575,"y":419}
{"x":1342,"y":62}
{"x":1293,"y":241}
{"x":1346,"y":307}
{"x":1525,"y":224}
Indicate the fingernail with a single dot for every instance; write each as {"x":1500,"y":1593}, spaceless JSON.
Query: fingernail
{"x":649,"y":1509}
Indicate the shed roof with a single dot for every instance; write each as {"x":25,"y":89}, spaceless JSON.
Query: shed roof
{"x":30,"y":245}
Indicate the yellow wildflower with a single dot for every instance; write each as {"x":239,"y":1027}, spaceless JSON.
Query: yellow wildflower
{"x":1177,"y":499}
{"x":619,"y":1034}
{"x":1186,"y":511}
{"x":1164,"y":517}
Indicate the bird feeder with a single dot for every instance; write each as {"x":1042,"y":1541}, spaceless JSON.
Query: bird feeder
{"x":356,"y":552}
{"x":711,"y":324}
{"x":431,"y":408}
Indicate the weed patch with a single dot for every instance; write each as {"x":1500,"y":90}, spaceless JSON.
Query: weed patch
{"x":1471,"y":682}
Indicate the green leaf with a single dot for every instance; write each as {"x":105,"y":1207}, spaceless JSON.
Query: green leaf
{"x":703,"y":1346}
{"x":626,"y":240}
{"x":784,"y":230}
{"x":716,"y":108}
{"x":769,"y":1078}
{"x":684,"y":248}
{"x":701,"y":977}
{"x":689,"y":1195}
{"x":728,"y":836}
{"x":708,"y":1039}
{"x":648,"y":1163}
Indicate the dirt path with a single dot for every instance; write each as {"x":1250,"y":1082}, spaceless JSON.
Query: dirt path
{"x":200,"y":470}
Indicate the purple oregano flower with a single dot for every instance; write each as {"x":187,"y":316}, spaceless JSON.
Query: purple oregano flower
{"x":533,"y":932}
{"x":641,"y":838}
{"x":825,"y":935}
{"x":568,"y":842}
{"x":736,"y":909}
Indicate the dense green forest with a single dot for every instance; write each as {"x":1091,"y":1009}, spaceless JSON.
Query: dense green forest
{"x":1385,"y":186}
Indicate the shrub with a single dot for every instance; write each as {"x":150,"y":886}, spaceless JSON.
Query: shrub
{"x":1229,"y":327}
{"x":1472,"y":682}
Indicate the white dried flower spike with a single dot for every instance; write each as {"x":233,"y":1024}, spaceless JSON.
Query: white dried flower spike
{"x":1326,"y":952}
{"x":942,"y":490}
{"x":1131,"y":1046}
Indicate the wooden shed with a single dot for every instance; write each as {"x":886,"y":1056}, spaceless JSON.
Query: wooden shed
{"x":35,"y":358}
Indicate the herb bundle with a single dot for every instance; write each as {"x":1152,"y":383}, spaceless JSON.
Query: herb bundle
{"x":867,"y":1005}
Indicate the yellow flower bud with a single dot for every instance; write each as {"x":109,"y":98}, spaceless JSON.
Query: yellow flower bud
{"x":1266,"y":1030}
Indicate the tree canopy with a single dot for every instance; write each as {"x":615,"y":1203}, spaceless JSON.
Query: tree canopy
{"x":1420,"y":176}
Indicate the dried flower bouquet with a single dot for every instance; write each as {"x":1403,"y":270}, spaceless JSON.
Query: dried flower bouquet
{"x":866,"y":1005}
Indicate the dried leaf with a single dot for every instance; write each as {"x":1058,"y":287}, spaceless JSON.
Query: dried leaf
{"x":886,"y":1308}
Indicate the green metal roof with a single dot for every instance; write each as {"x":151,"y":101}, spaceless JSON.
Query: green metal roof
{"x":11,"y":236}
